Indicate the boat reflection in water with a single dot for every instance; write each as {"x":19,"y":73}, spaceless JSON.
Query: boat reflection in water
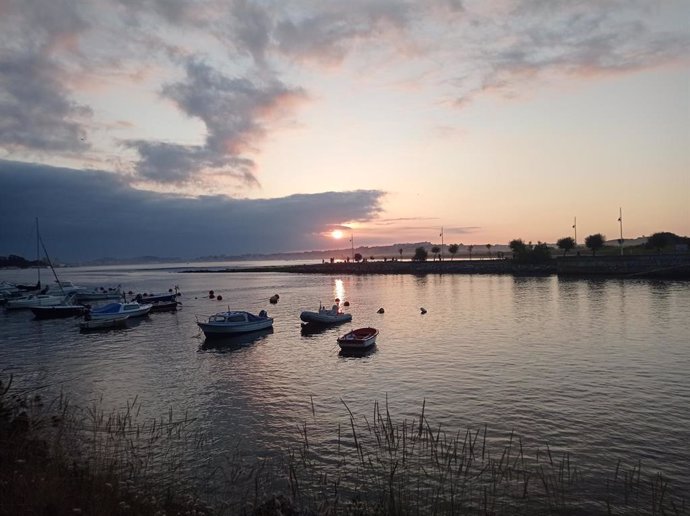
{"x":357,"y":353}
{"x":315,"y":329}
{"x":234,"y":342}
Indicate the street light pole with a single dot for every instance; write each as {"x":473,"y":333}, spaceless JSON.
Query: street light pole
{"x":620,"y":220}
{"x":441,"y":253}
{"x":352,"y":242}
{"x":575,"y":228}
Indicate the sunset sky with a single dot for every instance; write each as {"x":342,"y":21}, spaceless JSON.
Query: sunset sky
{"x":190,"y":128}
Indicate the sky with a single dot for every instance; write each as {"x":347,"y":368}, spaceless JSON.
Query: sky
{"x":183,"y":128}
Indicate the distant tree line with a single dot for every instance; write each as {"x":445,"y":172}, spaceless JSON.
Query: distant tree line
{"x":19,"y":262}
{"x":541,"y":252}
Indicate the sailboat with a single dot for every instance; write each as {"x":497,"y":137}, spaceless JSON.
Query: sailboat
{"x":40,"y":299}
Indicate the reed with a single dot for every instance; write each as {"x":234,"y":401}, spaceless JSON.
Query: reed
{"x":414,"y":467}
{"x":58,"y":458}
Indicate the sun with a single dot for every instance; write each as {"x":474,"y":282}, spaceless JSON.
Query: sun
{"x":337,"y":234}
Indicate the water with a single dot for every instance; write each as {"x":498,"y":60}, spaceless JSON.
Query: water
{"x":598,"y":368}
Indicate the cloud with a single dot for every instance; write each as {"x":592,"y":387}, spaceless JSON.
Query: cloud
{"x":35,"y":113}
{"x":97,"y":214}
{"x":236,"y":112}
{"x":530,"y":40}
{"x":235,"y":57}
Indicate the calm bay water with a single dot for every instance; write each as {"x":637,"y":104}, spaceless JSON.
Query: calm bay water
{"x":598,"y":368}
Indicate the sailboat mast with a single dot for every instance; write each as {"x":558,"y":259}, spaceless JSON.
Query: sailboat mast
{"x":38,"y":254}
{"x":50,"y":264}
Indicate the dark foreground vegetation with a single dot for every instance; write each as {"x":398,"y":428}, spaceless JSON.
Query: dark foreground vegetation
{"x":58,"y":459}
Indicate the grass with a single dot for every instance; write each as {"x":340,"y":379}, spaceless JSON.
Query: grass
{"x":57,"y":458}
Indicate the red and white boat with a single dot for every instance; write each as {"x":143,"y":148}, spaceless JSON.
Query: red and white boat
{"x":360,"y":339}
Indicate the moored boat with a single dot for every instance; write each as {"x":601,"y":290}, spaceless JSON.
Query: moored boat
{"x":360,"y":339}
{"x":99,"y":294}
{"x":68,"y":308}
{"x":325,"y":316}
{"x":131,"y":309}
{"x":164,"y":306}
{"x":34,"y":300}
{"x":105,"y":323}
{"x":234,"y":322}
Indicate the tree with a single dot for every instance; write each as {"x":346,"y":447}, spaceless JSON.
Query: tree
{"x":469,"y":248}
{"x":358,"y":257}
{"x":518,"y":247}
{"x":420,"y":255}
{"x":595,"y":242}
{"x":566,"y":243}
{"x":657,"y":241}
{"x":436,"y":250}
{"x":453,"y":249}
{"x":488,"y":247}
{"x":540,"y":253}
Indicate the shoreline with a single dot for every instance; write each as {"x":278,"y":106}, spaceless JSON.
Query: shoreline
{"x":675,"y":266}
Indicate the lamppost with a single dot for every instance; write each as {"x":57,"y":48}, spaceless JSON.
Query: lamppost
{"x":620,"y":220}
{"x":352,"y":242}
{"x":575,"y":228}
{"x":440,"y":255}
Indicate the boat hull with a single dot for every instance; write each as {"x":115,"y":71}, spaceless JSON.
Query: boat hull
{"x":104,"y":323}
{"x":129,"y":309}
{"x":212,"y":329}
{"x":57,"y":312}
{"x":24,"y":303}
{"x":324,"y":319}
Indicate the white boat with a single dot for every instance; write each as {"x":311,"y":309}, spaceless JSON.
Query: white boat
{"x":33,"y":300}
{"x":360,"y":339}
{"x":99,"y":294}
{"x":52,"y":295}
{"x":234,"y":322}
{"x":112,"y":310}
{"x":63,"y":287}
{"x":105,"y":323}
{"x":326,"y":316}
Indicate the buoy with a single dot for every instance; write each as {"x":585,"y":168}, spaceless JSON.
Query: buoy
{"x":274,"y":299}
{"x":337,"y":300}
{"x":346,"y":303}
{"x":380,"y":310}
{"x":211,"y":294}
{"x":219,"y":297}
{"x":423,"y":310}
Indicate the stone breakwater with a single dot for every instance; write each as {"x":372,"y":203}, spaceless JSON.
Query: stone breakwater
{"x":669,"y":266}
{"x":399,"y":267}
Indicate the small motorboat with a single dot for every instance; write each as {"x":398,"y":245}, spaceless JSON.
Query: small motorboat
{"x":234,"y":322}
{"x":152,"y":298}
{"x":109,"y":311}
{"x":164,"y":306}
{"x":360,"y":339}
{"x":104,"y":323}
{"x":326,"y":316}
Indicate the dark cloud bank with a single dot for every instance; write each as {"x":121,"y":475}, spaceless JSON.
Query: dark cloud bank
{"x":91,"y":214}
